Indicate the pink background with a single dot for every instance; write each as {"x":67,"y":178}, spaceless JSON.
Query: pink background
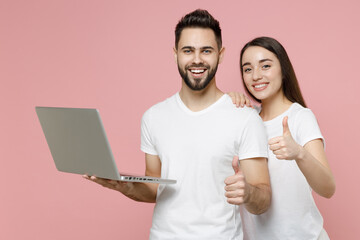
{"x":117,"y":56}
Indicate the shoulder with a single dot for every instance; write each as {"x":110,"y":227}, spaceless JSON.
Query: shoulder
{"x":304,"y":125}
{"x":240,"y":118}
{"x":160,"y":108}
{"x":301,"y":114}
{"x":242,"y":112}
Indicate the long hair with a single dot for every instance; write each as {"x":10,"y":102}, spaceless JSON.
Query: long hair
{"x":198,"y":18}
{"x":290,"y":85}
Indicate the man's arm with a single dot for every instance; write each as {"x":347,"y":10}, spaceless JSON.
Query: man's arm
{"x":141,"y":192}
{"x":250,"y":185}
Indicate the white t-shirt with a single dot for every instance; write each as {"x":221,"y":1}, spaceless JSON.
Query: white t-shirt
{"x":293,"y":214}
{"x":196,"y":149}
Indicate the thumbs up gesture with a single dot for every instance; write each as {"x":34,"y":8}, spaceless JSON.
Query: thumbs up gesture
{"x":284,"y":147}
{"x":235,"y":185}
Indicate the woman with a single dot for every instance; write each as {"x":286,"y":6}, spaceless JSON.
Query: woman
{"x":297,"y":160}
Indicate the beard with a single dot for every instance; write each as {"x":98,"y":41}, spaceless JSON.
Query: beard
{"x":198,"y":83}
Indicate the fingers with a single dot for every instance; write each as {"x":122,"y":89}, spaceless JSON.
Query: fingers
{"x":236,"y":201}
{"x":275,"y":146}
{"x":112,"y":184}
{"x":234,"y":179}
{"x":101,"y":181}
{"x":284,"y":147}
{"x":279,"y":153}
{"x":239,"y":99}
{"x":282,"y":154}
{"x":242,"y":100}
{"x":235,"y":194}
{"x":248,"y":102}
{"x":235,"y":189}
{"x":235,"y":185}
{"x":275,"y":140}
{"x":233,"y":96}
{"x":281,"y":157}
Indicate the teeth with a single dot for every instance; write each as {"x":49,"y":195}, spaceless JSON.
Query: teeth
{"x":197,"y":70}
{"x":260,"y":85}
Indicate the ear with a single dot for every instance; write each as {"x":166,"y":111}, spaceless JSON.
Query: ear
{"x":175,"y":54}
{"x":221,"y":54}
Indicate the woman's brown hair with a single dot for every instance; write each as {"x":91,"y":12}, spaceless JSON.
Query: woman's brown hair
{"x":290,"y":85}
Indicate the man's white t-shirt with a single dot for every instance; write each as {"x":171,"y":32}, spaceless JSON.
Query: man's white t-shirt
{"x":293,"y":214}
{"x":196,"y":149}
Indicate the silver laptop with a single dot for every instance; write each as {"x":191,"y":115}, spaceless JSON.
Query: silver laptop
{"x":78,"y":144}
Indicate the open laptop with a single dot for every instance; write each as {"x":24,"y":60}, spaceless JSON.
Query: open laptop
{"x":78,"y":144}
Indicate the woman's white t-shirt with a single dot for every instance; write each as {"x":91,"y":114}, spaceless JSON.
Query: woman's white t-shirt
{"x":293,"y":213}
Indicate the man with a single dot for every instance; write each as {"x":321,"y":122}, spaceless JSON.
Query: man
{"x":192,"y":137}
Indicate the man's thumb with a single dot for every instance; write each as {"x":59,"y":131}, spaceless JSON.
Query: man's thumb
{"x":235,"y":164}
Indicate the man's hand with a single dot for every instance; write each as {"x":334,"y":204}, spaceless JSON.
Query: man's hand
{"x":120,"y":186}
{"x":284,"y":147}
{"x":240,"y":99}
{"x":235,"y":185}
{"x":138,"y":191}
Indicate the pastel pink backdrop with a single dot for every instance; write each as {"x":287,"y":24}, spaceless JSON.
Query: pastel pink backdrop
{"x":117,"y":56}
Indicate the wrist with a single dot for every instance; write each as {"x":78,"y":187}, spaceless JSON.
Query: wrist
{"x":257,"y":199}
{"x":247,"y":193}
{"x":301,"y":154}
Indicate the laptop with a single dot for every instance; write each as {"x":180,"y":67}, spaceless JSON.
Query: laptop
{"x":78,"y":144}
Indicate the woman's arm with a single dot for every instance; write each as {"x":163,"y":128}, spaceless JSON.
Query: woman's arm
{"x":313,"y":164}
{"x":310,"y":158}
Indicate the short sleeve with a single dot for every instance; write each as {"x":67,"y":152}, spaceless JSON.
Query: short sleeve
{"x":253,"y":140}
{"x":307,"y":127}
{"x":147,"y":145}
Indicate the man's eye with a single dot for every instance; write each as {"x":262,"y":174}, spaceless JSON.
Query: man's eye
{"x":207,"y":51}
{"x":187,"y":51}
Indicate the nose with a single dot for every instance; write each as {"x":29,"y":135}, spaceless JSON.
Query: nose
{"x":257,"y":74}
{"x":197,"y":57}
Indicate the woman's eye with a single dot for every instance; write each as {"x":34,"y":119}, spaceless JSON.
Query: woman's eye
{"x":266,"y":66}
{"x":246,"y":70}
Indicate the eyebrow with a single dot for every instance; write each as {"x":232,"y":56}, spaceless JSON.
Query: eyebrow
{"x":261,"y":61}
{"x":202,"y":48}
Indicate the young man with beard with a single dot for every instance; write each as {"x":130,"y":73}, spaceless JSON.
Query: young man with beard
{"x":192,"y":137}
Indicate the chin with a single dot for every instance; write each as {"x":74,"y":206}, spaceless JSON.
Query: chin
{"x":260,"y":97}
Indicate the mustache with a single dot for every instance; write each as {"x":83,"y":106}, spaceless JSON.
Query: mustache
{"x":200,"y":65}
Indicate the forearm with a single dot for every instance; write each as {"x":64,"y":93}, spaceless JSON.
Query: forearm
{"x":318,"y":176}
{"x":141,"y":192}
{"x":257,"y":198}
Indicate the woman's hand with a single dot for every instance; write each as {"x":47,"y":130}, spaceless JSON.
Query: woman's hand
{"x":284,"y":147}
{"x":239,"y":99}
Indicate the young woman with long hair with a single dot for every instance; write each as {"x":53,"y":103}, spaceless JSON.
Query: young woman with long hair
{"x":297,"y":160}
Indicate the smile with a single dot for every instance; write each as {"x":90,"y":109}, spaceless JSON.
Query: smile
{"x":197,"y":71}
{"x":261,"y":86}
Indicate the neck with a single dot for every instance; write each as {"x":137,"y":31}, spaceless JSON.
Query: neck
{"x":200,"y":100}
{"x":274,"y":106}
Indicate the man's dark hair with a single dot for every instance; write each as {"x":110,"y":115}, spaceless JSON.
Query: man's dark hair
{"x":198,"y":18}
